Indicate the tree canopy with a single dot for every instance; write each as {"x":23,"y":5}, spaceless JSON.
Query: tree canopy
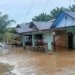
{"x":4,"y":23}
{"x":42,"y":17}
{"x":53,"y":14}
{"x":72,"y":8}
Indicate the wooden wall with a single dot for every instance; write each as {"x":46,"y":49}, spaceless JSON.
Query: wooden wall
{"x":61,"y":39}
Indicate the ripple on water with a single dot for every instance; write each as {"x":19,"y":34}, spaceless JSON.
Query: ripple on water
{"x":67,"y":71}
{"x":5,"y":69}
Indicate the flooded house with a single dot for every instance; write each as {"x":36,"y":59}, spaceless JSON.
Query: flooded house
{"x":52,"y":34}
{"x":36,"y":34}
{"x":24,"y":32}
{"x":64,"y":30}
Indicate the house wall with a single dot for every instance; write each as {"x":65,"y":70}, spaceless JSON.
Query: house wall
{"x":33,"y":40}
{"x":66,"y":22}
{"x":23,"y":40}
{"x":48,"y":39}
{"x":60,"y":39}
{"x":73,"y":31}
{"x":45,"y":38}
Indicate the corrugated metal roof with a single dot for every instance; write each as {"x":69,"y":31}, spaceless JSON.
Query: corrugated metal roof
{"x":40,"y":25}
{"x":23,"y":28}
{"x":70,"y":13}
{"x":43,"y":25}
{"x":23,"y":25}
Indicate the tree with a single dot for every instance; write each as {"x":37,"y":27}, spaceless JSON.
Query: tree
{"x":72,"y":8}
{"x":42,"y":17}
{"x":4,"y":23}
{"x":9,"y":37}
{"x":53,"y":14}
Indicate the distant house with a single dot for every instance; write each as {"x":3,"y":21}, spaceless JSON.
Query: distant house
{"x":64,"y":30}
{"x":36,"y":30}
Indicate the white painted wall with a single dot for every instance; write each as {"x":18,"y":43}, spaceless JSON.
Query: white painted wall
{"x":48,"y":38}
{"x":45,"y":38}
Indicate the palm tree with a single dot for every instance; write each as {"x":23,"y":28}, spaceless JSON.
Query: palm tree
{"x":55,"y":12}
{"x":72,"y":8}
{"x":42,"y":17}
{"x":4,"y":23}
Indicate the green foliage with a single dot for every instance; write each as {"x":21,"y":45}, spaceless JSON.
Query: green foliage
{"x":4,"y":24}
{"x":53,"y":14}
{"x":8,"y":37}
{"x":72,"y":8}
{"x":11,"y":30}
{"x":42,"y":17}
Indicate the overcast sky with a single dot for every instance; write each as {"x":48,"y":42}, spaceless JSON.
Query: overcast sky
{"x":25,"y":10}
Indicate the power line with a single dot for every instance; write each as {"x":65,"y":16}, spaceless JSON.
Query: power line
{"x":30,"y":9}
{"x":32,"y":6}
{"x":46,"y":6}
{"x":69,"y":2}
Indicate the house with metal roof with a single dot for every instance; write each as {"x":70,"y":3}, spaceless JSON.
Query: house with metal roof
{"x":64,"y":30}
{"x":36,"y":30}
{"x":57,"y":33}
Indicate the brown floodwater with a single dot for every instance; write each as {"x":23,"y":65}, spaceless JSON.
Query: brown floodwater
{"x":5,"y":69}
{"x":24,"y":62}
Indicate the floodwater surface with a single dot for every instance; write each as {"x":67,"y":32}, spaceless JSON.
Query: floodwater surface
{"x":24,"y":62}
{"x":5,"y":69}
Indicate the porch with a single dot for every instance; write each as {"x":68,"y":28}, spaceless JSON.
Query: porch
{"x":39,"y":41}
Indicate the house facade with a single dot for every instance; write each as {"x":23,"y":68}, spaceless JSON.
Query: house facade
{"x":55,"y":33}
{"x":35,"y":31}
{"x":64,"y":29}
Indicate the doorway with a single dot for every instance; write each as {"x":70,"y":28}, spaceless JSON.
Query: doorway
{"x":70,"y":40}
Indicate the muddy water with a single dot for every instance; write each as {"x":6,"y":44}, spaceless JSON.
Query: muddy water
{"x":5,"y":69}
{"x":27,"y":62}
